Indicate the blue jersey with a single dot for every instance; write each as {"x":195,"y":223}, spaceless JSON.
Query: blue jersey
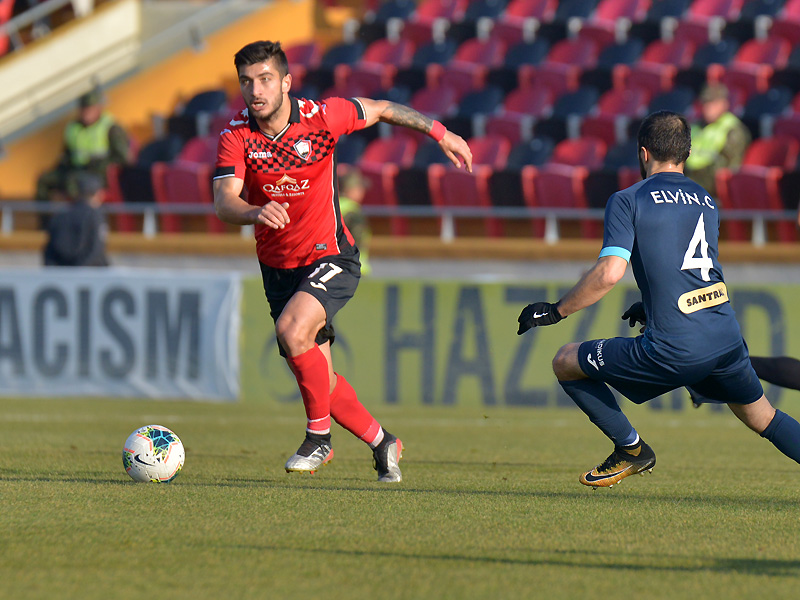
{"x":667,"y":226}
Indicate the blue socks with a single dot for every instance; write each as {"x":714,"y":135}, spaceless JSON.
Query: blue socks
{"x":784,"y":433}
{"x":596,"y":400}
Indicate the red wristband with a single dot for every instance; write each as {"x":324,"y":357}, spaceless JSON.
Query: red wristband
{"x":437,"y":131}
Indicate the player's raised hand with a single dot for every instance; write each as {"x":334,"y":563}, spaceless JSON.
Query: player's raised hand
{"x":538,"y":314}
{"x":274,"y":215}
{"x":457,"y":150}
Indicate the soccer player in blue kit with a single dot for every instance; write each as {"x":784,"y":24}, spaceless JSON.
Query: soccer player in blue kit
{"x":667,"y":227}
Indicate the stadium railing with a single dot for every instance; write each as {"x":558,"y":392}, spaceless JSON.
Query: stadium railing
{"x":447,"y":215}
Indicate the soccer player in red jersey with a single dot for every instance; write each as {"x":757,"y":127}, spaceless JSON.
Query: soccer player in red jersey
{"x":281,"y":150}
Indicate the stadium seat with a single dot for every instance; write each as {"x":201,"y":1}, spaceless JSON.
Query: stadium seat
{"x":788,"y":125}
{"x":728,"y":10}
{"x":656,"y":69}
{"x":777,"y":151}
{"x":200,"y":150}
{"x":680,"y":99}
{"x":469,"y":66}
{"x":761,"y":110}
{"x":301,"y":59}
{"x":164,"y":149}
{"x":754,"y":188}
{"x":452,"y":187}
{"x":626,"y":53}
{"x":558,"y":186}
{"x":753,"y":65}
{"x":194,"y":118}
{"x":430,"y":10}
{"x":428,"y":53}
{"x":521,"y":19}
{"x":535,"y":152}
{"x":568,"y":109}
{"x":349,"y":148}
{"x":613,"y":112}
{"x":561,"y":70}
{"x":709,"y":53}
{"x":522,"y":53}
{"x":184,"y":183}
{"x":520,"y":110}
{"x":124,"y":223}
{"x":585,"y":152}
{"x":437,"y":103}
{"x":610,"y":21}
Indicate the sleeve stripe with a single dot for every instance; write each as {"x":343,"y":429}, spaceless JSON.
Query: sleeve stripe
{"x":616,"y":251}
{"x":221,"y":172}
{"x":362,"y":113}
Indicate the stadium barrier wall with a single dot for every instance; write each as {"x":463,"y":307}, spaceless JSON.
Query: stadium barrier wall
{"x":454,"y":343}
{"x":119,"y":333}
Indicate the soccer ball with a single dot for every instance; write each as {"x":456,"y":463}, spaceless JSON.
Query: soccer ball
{"x":153,"y":453}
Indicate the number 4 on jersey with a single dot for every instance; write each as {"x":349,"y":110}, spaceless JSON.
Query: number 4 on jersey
{"x":702,"y":262}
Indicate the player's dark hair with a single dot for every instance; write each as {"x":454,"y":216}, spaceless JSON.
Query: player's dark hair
{"x":667,"y":136}
{"x":259,"y":52}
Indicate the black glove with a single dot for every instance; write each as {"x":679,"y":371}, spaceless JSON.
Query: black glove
{"x":635,"y":314}
{"x":537,"y":315}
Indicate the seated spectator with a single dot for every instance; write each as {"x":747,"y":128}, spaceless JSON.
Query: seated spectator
{"x":719,"y":140}
{"x":76,"y":234}
{"x":91,"y":142}
{"x":352,"y":187}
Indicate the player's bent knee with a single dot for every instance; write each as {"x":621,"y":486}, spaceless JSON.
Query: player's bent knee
{"x":565,"y":363}
{"x":295,"y":337}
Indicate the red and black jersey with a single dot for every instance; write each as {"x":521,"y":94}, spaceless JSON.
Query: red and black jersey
{"x":297,"y":166}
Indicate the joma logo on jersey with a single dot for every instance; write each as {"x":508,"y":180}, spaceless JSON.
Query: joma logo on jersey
{"x":259,"y":155}
{"x":286,"y":185}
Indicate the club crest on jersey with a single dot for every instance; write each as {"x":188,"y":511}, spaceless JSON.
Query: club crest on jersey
{"x":303,"y":148}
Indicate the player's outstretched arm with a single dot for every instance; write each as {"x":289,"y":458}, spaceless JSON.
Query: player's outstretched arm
{"x":230,"y":207}
{"x":454,"y":146}
{"x":595,"y":283}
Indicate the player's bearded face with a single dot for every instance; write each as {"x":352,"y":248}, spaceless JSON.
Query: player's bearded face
{"x":262,"y":89}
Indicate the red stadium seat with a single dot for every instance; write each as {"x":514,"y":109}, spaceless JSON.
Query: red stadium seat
{"x":788,"y":126}
{"x":435,"y":102}
{"x":615,"y":109}
{"x":586,"y":152}
{"x":756,"y":188}
{"x":521,"y":19}
{"x":430,"y":10}
{"x":560,"y":72}
{"x":184,"y":183}
{"x":380,"y":163}
{"x":706,"y":9}
{"x":778,"y":151}
{"x":302,"y":58}
{"x":123,"y":222}
{"x":200,"y":150}
{"x":656,"y":69}
{"x":457,"y":187}
{"x":534,"y":101}
{"x":560,"y":186}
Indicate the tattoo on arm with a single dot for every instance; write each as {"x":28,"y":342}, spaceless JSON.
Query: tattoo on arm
{"x":397,"y":114}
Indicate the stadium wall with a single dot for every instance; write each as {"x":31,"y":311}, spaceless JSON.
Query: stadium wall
{"x":455,"y":344}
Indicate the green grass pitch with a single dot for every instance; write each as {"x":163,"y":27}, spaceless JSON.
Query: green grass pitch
{"x":490,"y":507}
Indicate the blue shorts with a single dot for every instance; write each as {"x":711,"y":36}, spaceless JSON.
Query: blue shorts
{"x":623,"y":364}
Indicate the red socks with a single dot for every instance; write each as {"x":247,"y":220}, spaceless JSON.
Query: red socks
{"x":311,"y":371}
{"x":352,"y":415}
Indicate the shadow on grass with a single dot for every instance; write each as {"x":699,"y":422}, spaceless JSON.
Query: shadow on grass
{"x":572,"y":558}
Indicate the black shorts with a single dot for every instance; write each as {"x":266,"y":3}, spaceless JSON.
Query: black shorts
{"x":332,"y":280}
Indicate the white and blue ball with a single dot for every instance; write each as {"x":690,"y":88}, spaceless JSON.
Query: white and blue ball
{"x":153,"y":453}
